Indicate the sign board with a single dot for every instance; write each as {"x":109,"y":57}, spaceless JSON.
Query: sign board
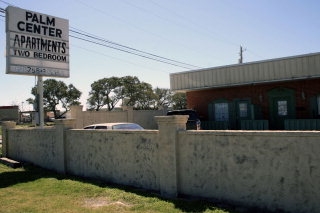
{"x":37,"y":44}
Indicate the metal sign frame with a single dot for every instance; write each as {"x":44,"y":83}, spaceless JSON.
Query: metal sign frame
{"x":37,"y":44}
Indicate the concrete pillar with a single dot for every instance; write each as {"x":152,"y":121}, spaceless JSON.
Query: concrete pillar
{"x":5,"y":126}
{"x":61,"y":125}
{"x":169,"y":126}
{"x":130,"y":113}
{"x":76,"y":113}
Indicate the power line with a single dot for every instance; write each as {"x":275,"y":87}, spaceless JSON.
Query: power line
{"x":120,"y":59}
{"x":126,"y":51}
{"x":131,"y":50}
{"x":5,"y":2}
{"x":132,"y":24}
{"x":84,"y":36}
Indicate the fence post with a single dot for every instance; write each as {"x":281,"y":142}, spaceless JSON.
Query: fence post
{"x":169,"y":126}
{"x":76,"y":113}
{"x":5,"y":126}
{"x":61,"y":125}
{"x":130,"y":114}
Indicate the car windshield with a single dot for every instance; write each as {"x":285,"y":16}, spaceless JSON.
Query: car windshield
{"x":101,"y":127}
{"x":126,"y":126}
{"x":89,"y":127}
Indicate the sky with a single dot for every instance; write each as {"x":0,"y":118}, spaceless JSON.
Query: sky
{"x":202,"y":33}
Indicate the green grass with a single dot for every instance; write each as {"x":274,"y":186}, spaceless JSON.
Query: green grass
{"x":32,"y":189}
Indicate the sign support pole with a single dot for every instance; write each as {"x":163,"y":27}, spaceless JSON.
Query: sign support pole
{"x":40,"y":107}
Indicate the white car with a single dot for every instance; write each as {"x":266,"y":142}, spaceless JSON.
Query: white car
{"x":115,"y":126}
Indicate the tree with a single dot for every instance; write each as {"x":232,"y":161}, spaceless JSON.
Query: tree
{"x":163,"y":97}
{"x":55,"y":93}
{"x":130,"y":90}
{"x":109,"y":91}
{"x":140,"y":95}
{"x":103,"y":92}
{"x":137,"y":94}
{"x":71,"y":98}
{"x":145,"y":99}
{"x":179,"y":101}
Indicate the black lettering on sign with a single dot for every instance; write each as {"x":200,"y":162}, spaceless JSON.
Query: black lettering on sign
{"x":39,"y":29}
{"x":39,"y":24}
{"x":38,"y":18}
{"x":22,"y":53}
{"x":35,"y":43}
{"x":51,"y":57}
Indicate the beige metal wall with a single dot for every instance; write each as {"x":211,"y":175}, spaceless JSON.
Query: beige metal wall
{"x":145,"y":118}
{"x":282,"y":69}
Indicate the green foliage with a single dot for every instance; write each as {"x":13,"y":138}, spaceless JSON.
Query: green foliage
{"x":105,"y":92}
{"x":163,"y":97}
{"x":179,"y":101}
{"x":55,"y":93}
{"x":144,"y":97}
{"x":108,"y":92}
{"x":131,"y":91}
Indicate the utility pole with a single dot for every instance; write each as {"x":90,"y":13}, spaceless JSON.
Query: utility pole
{"x":40,"y":103}
{"x":241,"y":55}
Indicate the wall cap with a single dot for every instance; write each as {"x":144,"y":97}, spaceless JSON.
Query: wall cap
{"x":173,"y":119}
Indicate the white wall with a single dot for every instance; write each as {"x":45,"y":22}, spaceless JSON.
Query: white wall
{"x":124,"y":157}
{"x":267,"y":169}
{"x":275,"y":170}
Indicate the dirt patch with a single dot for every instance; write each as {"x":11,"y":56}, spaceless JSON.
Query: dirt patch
{"x":102,"y":201}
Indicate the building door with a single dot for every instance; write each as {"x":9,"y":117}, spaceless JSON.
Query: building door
{"x":281,"y":107}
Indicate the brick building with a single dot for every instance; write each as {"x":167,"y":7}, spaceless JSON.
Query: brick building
{"x":277,"y":94}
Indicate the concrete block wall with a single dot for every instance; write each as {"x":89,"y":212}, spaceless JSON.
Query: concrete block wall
{"x":43,"y":147}
{"x":275,"y":170}
{"x":123,"y":157}
{"x":269,"y":169}
{"x":38,"y":145}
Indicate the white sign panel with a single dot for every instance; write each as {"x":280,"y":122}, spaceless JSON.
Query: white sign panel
{"x":37,"y":44}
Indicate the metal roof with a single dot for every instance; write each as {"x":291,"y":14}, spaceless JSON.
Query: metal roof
{"x":280,"y":69}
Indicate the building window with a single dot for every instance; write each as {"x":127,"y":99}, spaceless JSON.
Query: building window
{"x":282,"y":108}
{"x":243,"y":110}
{"x":318,"y":103}
{"x":221,"y":111}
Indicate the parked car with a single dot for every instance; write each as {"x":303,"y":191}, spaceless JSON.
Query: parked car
{"x":193,"y":120}
{"x":115,"y":126}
